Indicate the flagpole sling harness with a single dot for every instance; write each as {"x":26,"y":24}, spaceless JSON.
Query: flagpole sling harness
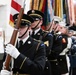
{"x":8,"y":59}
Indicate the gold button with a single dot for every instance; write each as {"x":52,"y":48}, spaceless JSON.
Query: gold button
{"x":60,"y":59}
{"x":56,"y":63}
{"x":46,"y":67}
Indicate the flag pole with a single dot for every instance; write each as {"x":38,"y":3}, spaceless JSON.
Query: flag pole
{"x":13,"y":38}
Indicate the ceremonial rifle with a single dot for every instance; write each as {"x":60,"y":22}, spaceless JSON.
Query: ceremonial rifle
{"x":13,"y":38}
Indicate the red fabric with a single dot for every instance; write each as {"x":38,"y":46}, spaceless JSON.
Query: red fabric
{"x":43,"y":27}
{"x":43,"y":8}
{"x":15,"y":8}
{"x":15,"y":5}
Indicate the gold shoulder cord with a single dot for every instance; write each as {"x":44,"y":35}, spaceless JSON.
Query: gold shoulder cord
{"x":37,"y":46}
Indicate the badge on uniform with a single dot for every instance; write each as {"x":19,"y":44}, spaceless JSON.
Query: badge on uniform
{"x":46,"y":43}
{"x":63,"y":40}
{"x":29,"y":42}
{"x":38,"y":34}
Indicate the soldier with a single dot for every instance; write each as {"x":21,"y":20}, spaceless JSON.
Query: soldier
{"x":72,"y":56}
{"x":59,"y":49}
{"x":72,"y":53}
{"x":42,"y":35}
{"x":54,"y":23}
{"x":29,"y":54}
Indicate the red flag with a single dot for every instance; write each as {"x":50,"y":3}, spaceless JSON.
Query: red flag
{"x":15,"y":8}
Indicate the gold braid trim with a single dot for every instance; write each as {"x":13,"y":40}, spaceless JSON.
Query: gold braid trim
{"x":23,"y":62}
{"x":36,"y":15}
{"x":24,"y":20}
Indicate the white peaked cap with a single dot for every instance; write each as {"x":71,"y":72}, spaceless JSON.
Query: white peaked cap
{"x":56,"y":18}
{"x":62,"y":23}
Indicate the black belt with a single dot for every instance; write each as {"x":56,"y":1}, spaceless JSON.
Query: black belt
{"x":17,"y":73}
{"x":21,"y":74}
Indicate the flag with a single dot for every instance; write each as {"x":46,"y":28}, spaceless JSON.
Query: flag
{"x":67,"y":11}
{"x":58,"y":8}
{"x":45,"y":20}
{"x":36,"y":4}
{"x":71,"y":11}
{"x":50,"y":10}
{"x":15,"y":8}
{"x":53,"y":4}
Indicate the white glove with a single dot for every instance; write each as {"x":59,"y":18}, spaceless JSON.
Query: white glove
{"x":12,"y":51}
{"x":5,"y":72}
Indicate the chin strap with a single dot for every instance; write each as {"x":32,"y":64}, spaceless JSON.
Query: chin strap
{"x":36,"y":26}
{"x":24,"y":33}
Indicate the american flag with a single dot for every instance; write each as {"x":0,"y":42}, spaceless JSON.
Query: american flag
{"x":15,"y":8}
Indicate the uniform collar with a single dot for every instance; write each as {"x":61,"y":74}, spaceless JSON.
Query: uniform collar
{"x":37,"y":30}
{"x":24,"y":40}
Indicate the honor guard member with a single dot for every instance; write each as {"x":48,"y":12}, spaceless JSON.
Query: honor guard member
{"x":72,"y":56}
{"x":59,"y":50}
{"x":29,"y":54}
{"x":56,"y":19}
{"x":55,"y":24}
{"x":72,"y":53}
{"x":40,"y":34}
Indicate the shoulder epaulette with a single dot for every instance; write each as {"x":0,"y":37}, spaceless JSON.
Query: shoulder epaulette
{"x":37,"y":44}
{"x":45,"y":31}
{"x":37,"y":40}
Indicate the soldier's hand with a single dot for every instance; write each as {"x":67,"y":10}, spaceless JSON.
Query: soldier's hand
{"x":5,"y":72}
{"x":12,"y":51}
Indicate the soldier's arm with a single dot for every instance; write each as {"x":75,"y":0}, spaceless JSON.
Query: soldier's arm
{"x":33,"y":66}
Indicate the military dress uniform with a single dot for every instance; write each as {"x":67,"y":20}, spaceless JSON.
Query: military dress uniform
{"x":44,"y":36}
{"x":32,"y":56}
{"x":58,"y":62}
{"x":30,"y":60}
{"x":72,"y":56}
{"x":47,"y":38}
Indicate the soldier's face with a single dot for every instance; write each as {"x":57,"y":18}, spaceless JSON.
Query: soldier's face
{"x":35,"y":23}
{"x":22,"y":31}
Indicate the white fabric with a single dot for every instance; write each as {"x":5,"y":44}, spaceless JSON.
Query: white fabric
{"x":12,"y":51}
{"x":65,"y":74}
{"x":24,"y":40}
{"x":68,"y":62}
{"x":37,"y":30}
{"x":62,"y":23}
{"x":69,"y":42}
{"x":56,"y":18}
{"x":74,"y":32}
{"x":5,"y":72}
